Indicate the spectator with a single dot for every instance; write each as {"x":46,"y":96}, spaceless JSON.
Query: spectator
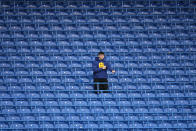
{"x":100,"y":67}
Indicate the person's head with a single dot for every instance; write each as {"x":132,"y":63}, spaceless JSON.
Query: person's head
{"x":101,"y":55}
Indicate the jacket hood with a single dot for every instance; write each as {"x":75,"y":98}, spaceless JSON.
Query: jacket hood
{"x":97,"y":59}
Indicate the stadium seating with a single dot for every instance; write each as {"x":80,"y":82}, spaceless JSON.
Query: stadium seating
{"x":46,"y":52}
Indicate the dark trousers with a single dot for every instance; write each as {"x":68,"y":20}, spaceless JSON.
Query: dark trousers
{"x":99,"y":87}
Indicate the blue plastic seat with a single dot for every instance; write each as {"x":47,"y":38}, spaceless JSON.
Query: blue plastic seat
{"x":182,"y":102}
{"x":77,"y":126}
{"x":153,"y":102}
{"x":106,"y":125}
{"x":170,"y":110}
{"x":74,"y":88}
{"x":132,"y":118}
{"x":3,"y":126}
{"x":2,"y":118}
{"x":21,"y":103}
{"x":13,"y":118}
{"x":8,"y":111}
{"x":53,"y":110}
{"x":80,"y":103}
{"x":69,"y":80}
{"x":4,"y":95}
{"x":157,"y":110}
{"x":95,"y":103}
{"x":79,"y":73}
{"x":190,"y":94}
{"x":16,"y":126}
{"x":43,"y":118}
{"x":126,"y":80}
{"x":109,"y":103}
{"x":47,"y":95}
{"x":2,"y":64}
{"x":10,"y":80}
{"x":68,"y":110}
{"x":87,"y":117}
{"x":140,"y":110}
{"x":91,"y":126}
{"x":76,"y":95}
{"x":58,"y":87}
{"x":73,"y":118}
{"x":65,"y":103}
{"x":25,"y":80}
{"x":147,"y":117}
{"x":176,"y":117}
{"x":38,"y":110}
{"x":161,"y":117}
{"x":58,"y":118}
{"x":47,"y":125}
{"x":167,"y":102}
{"x":135,"y":72}
{"x":180,"y":125}
{"x":102,"y":118}
{"x":105,"y":95}
{"x":138,"y":102}
{"x":136,"y":125}
{"x":28,"y":118}
{"x":192,"y":102}
{"x":163,"y":94}
{"x":112,"y":110}
{"x":90,"y":95}
{"x":36,"y":103}
{"x":33,"y":95}
{"x":61,"y":125}
{"x":64,"y":72}
{"x":124,"y":103}
{"x":97,"y":110}
{"x":51,"y":103}
{"x":117,"y":118}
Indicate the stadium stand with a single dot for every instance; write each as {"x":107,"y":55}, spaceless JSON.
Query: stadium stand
{"x":46,"y":51}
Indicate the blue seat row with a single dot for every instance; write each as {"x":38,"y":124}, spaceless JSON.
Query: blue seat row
{"x":78,"y":125}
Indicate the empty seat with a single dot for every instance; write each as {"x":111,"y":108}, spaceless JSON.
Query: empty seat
{"x":46,"y":125}
{"x":68,"y":110}
{"x":21,"y":103}
{"x":136,"y":125}
{"x":43,"y":118}
{"x":112,"y":110}
{"x":3,"y":126}
{"x":8,"y":111}
{"x":13,"y":118}
{"x":47,"y":95}
{"x":51,"y":103}
{"x":4,"y":95}
{"x":36,"y":103}
{"x":106,"y":125}
{"x":58,"y":118}
{"x":97,"y":110}
{"x":77,"y":126}
{"x":16,"y":126}
{"x":61,"y":126}
{"x":109,"y":103}
{"x":53,"y":110}
{"x":126,"y":110}
{"x":73,"y":118}
{"x":38,"y":110}
{"x":28,"y":118}
{"x":87,"y":117}
{"x":131,"y":117}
